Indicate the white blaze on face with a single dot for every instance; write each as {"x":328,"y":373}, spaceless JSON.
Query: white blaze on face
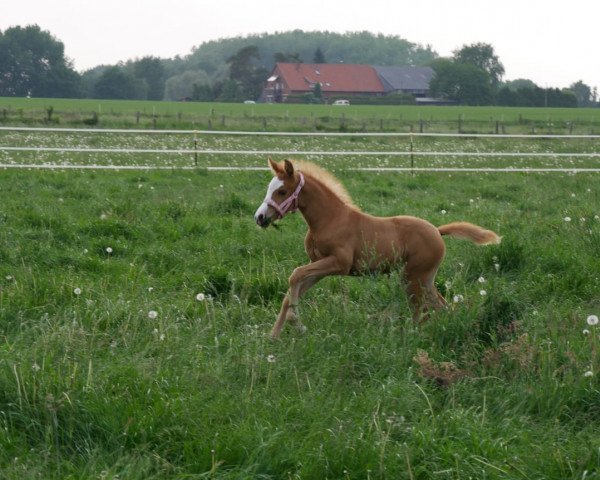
{"x":273,"y":186}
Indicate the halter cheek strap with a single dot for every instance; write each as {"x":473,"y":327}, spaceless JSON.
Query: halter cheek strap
{"x":290,"y":204}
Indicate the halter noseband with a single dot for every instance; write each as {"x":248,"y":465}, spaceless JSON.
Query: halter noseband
{"x":290,"y":204}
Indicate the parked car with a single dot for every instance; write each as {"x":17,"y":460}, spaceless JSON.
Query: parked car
{"x":341,"y":102}
{"x":249,"y":102}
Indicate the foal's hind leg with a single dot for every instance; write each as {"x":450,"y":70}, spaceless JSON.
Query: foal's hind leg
{"x":414,"y":289}
{"x":421,"y":289}
{"x":424,"y":296}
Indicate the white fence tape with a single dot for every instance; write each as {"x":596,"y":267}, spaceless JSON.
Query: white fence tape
{"x":291,"y":134}
{"x":404,"y":153}
{"x":194,"y":152}
{"x":52,"y":166}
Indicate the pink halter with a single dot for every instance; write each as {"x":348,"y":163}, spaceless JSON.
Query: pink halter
{"x":290,"y":204}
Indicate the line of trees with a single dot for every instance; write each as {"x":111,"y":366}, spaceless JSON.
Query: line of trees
{"x":473,"y":76}
{"x":33,"y":63}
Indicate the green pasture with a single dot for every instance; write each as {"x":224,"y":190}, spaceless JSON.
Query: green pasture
{"x":113,"y":366}
{"x":223,"y":116}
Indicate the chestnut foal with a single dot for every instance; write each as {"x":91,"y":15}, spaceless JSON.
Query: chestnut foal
{"x":343,"y":240}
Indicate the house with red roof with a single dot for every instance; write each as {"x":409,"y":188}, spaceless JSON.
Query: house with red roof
{"x":292,"y":81}
{"x":335,"y":79}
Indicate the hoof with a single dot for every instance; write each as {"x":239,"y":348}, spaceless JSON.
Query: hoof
{"x":301,"y":329}
{"x":273,"y":336}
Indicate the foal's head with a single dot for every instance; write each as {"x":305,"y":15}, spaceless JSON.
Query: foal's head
{"x":282,"y":193}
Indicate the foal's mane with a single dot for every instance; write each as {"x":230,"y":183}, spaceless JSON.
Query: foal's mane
{"x":327,"y":179}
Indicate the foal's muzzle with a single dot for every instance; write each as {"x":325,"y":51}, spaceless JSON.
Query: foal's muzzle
{"x":262,"y":220}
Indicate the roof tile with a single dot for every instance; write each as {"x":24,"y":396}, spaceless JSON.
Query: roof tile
{"x":333,"y":77}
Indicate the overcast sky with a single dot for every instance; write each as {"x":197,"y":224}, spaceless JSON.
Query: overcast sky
{"x":552,"y":43}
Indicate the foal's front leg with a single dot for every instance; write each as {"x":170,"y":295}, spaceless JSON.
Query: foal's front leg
{"x":300,"y":281}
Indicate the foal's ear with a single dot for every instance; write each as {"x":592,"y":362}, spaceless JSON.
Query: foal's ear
{"x":289,"y":168}
{"x":275,"y":167}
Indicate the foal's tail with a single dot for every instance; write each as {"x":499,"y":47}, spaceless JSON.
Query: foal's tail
{"x":468,"y":231}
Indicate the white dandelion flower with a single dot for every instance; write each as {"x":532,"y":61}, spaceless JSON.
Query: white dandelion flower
{"x":444,"y":212}
{"x":483,"y":293}
{"x":592,"y":320}
{"x":200,"y":297}
{"x":35,"y":367}
{"x":589,"y":373}
{"x":77,"y":291}
{"x":481,"y":280}
{"x":567,"y":219}
{"x":150,"y":289}
{"x":109,"y":250}
{"x":585,"y":331}
{"x":497,"y":267}
{"x":152,"y":314}
{"x":458,"y":298}
{"x":271,"y":358}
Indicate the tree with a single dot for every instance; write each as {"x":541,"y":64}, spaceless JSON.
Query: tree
{"x":483,"y":57}
{"x":460,"y":82}
{"x":519,"y":83}
{"x":536,"y":97}
{"x":316,"y":96}
{"x":287,"y":58}
{"x":319,"y":56}
{"x":248,"y":76}
{"x":182,"y":85}
{"x":230,"y":91}
{"x":152,"y":71}
{"x":203,"y":93}
{"x":119,"y":84}
{"x":583,"y":93}
{"x":241,"y":63}
{"x":33,"y":62}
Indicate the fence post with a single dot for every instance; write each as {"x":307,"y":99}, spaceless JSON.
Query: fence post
{"x":412,"y":157}
{"x":195,"y":148}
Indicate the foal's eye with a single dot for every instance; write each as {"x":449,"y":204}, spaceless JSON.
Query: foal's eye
{"x":281,"y":192}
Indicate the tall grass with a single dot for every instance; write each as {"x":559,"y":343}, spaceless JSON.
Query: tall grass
{"x":112,"y":365}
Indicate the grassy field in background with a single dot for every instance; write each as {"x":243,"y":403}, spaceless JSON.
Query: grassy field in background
{"x":190,"y":115}
{"x":112,"y":365}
